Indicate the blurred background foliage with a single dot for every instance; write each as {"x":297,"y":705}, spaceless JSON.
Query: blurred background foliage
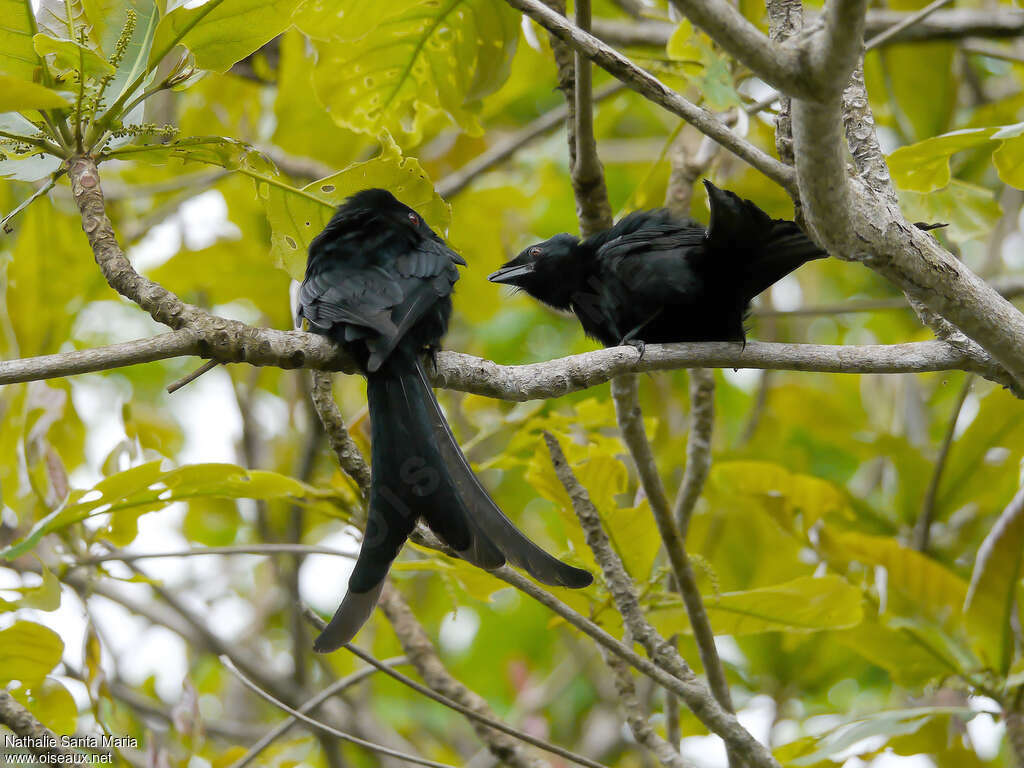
{"x":841,"y":641}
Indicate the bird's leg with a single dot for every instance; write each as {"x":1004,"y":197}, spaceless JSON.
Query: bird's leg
{"x":630,"y":338}
{"x":432,"y":350}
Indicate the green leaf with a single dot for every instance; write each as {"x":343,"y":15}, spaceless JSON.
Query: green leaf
{"x":785,"y":496}
{"x":989,"y":604}
{"x":971,"y":211}
{"x":17,"y":54}
{"x":1009,"y":156}
{"x":52,"y":704}
{"x":924,"y":581}
{"x":17,"y":95}
{"x":924,"y":166}
{"x":221,"y":32}
{"x":805,"y":604}
{"x":28,"y":651}
{"x":343,"y":21}
{"x":297,"y":215}
{"x":45,"y":597}
{"x":888,"y":724}
{"x":108,"y":18}
{"x":436,"y":56}
{"x":703,"y":66}
{"x":69,"y":56}
{"x":146,"y":488}
{"x":906,"y":655}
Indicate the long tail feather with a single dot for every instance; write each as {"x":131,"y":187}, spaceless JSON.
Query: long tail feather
{"x":420,"y":472}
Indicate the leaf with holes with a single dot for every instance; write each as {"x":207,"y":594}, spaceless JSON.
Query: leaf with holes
{"x":437,"y":56}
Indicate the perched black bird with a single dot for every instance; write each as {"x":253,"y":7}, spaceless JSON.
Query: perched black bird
{"x":379,"y":282}
{"x":654,"y":277}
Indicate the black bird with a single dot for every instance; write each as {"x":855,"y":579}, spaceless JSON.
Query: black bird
{"x":654,"y":277}
{"x":379,"y":282}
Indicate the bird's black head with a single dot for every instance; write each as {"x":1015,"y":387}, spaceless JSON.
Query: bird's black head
{"x":549,"y":271}
{"x":372,"y":211}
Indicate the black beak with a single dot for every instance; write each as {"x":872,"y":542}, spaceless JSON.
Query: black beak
{"x":509,"y":275}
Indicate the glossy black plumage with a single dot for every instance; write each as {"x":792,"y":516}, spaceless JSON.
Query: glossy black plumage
{"x":379,"y":282}
{"x":655,"y":277}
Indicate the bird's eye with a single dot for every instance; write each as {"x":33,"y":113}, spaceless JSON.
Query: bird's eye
{"x":414,"y":219}
{"x":535,"y":251}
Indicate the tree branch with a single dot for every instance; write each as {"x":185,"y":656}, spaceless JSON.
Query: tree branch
{"x":631,"y":424}
{"x":456,"y":181}
{"x":779,"y":65}
{"x":552,"y":378}
{"x":323,"y":727}
{"x":670,"y":670}
{"x":424,"y":657}
{"x":592,"y":207}
{"x":943,"y":25}
{"x":651,"y":88}
{"x":698,"y":447}
{"x":345,"y":449}
{"x":40,"y":740}
{"x":335,"y":688}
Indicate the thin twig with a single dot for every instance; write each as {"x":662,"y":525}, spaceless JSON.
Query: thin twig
{"x":345,"y":448}
{"x":698,"y":447}
{"x":297,"y":715}
{"x":236,"y":549}
{"x":455,"y":182}
{"x":338,"y":686}
{"x":922,"y":530}
{"x":209,"y":365}
{"x":882,"y":37}
{"x":669,"y":669}
{"x":457,"y":706}
{"x":630,"y":418}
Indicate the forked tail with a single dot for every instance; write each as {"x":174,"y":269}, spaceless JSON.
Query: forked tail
{"x":419,"y":471}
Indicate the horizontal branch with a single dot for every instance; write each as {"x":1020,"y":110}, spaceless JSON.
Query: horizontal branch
{"x":533,"y":381}
{"x":941,"y":25}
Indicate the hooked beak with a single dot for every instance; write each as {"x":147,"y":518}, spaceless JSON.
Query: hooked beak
{"x":509,"y":275}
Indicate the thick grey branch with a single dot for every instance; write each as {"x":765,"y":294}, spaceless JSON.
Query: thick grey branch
{"x":650,"y":87}
{"x":779,"y":65}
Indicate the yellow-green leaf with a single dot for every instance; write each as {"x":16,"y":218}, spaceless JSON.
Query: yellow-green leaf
{"x":435,"y":56}
{"x":924,"y":166}
{"x":17,"y":55}
{"x":989,"y":605}
{"x":221,"y":32}
{"x":17,"y":95}
{"x":52,"y":705}
{"x":68,"y":56}
{"x":805,"y":604}
{"x":28,"y":651}
{"x":922,"y":580}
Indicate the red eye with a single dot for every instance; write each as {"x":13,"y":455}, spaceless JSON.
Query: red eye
{"x":535,"y":251}
{"x":414,"y":219}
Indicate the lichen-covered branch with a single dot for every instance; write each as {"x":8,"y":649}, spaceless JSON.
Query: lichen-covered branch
{"x":39,"y":739}
{"x":350,"y":458}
